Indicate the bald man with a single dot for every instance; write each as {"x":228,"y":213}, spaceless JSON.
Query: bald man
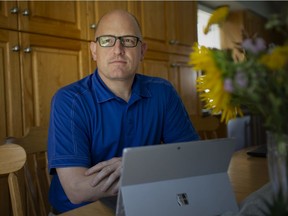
{"x":94,"y":119}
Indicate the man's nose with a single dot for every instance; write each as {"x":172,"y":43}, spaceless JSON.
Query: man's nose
{"x":118,"y":47}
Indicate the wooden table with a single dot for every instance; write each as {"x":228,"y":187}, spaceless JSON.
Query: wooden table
{"x":247,"y":174}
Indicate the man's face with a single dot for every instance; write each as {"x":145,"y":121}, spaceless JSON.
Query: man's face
{"x":118,"y":62}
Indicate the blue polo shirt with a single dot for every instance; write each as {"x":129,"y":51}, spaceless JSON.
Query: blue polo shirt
{"x":90,"y":124}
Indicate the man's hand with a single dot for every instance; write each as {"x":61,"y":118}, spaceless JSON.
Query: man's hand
{"x":110,"y":169}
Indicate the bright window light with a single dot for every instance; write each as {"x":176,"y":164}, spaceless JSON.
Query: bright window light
{"x":212,"y":39}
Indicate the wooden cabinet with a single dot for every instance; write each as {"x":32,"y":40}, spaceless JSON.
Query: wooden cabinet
{"x":175,"y":69}
{"x":8,"y":14}
{"x":169,"y":26}
{"x":48,"y":63}
{"x":10,"y":83}
{"x":156,"y":64}
{"x":187,"y":89}
{"x":152,"y":17}
{"x":186,"y":83}
{"x":59,"y":18}
{"x":98,"y":8}
{"x":44,"y":45}
{"x":182,"y":26}
{"x":35,"y":63}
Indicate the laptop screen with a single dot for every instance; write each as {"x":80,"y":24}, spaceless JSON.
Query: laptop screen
{"x":186,"y":178}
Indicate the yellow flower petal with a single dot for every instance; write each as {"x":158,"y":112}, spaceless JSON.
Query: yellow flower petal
{"x":276,"y":59}
{"x":217,"y":17}
{"x":217,"y":99}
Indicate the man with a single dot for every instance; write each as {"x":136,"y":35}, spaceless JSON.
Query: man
{"x":94,"y":119}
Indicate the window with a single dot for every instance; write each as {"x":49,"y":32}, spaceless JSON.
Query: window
{"x":212,"y":39}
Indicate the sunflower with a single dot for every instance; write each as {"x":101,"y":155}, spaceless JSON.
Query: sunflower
{"x":210,"y":84}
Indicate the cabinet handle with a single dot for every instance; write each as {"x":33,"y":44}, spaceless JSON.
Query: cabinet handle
{"x":93,"y":26}
{"x":178,"y":64}
{"x":27,"y":50}
{"x":173,"y":42}
{"x":174,"y":65}
{"x":14,"y":10}
{"x":16,"y":48}
{"x":26,"y":12}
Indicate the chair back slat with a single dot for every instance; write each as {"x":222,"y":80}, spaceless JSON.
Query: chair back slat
{"x":12,"y":159}
{"x":37,"y":177}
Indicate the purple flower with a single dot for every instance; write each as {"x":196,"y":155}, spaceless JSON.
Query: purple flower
{"x":254,"y":45}
{"x":241,"y":79}
{"x":228,"y":85}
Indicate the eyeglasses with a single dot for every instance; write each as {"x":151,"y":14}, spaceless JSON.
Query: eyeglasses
{"x":110,"y":40}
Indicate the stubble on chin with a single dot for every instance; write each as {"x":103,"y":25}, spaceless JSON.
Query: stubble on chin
{"x":117,"y":74}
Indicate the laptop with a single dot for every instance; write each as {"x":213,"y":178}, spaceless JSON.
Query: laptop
{"x":183,"y":179}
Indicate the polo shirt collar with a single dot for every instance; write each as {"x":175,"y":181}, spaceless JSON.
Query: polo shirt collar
{"x":103,"y":93}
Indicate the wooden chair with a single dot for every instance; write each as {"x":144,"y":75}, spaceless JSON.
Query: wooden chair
{"x":206,"y":126}
{"x":12,"y":159}
{"x":36,"y":174}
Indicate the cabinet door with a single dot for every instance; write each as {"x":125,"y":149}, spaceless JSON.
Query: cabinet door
{"x":48,"y":64}
{"x":154,"y":24}
{"x":185,"y":14}
{"x":169,"y":26}
{"x":59,"y":18}
{"x":10,"y":92}
{"x":183,"y":25}
{"x":156,"y":64}
{"x":186,"y":83}
{"x":182,"y":78}
{"x":156,"y":68}
{"x":187,"y":88}
{"x":98,"y":8}
{"x":8,"y":14}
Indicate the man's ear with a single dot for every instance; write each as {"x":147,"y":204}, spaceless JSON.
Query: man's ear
{"x":143,"y":50}
{"x":93,"y":50}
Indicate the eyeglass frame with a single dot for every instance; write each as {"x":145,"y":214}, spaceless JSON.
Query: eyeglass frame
{"x":121,"y":40}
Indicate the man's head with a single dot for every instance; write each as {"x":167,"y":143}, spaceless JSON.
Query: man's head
{"x":118,"y":47}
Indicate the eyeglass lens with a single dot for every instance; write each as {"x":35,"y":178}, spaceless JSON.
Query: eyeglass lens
{"x":110,"y":40}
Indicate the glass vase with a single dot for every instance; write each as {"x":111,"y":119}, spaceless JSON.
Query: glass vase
{"x":277,"y":145}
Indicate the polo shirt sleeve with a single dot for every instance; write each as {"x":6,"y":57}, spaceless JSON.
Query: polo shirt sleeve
{"x":68,"y":142}
{"x":178,"y":126}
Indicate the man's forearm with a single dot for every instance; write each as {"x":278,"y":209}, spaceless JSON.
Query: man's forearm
{"x":77,"y":185}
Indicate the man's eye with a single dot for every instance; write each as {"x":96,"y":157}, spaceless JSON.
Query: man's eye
{"x":127,"y":40}
{"x":107,"y":40}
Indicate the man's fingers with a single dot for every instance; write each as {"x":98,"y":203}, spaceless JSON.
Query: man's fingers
{"x":113,"y":177}
{"x":105,"y":172}
{"x":98,"y":167}
{"x":111,"y":172}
